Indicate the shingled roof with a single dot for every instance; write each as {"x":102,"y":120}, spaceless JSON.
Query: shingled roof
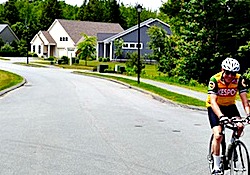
{"x":76,"y":28}
{"x":2,"y":27}
{"x":48,"y":37}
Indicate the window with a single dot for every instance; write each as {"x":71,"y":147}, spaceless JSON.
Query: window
{"x":39,"y":49}
{"x":139,"y":45}
{"x":34,"y":48}
{"x":63,"y":38}
{"x":125,"y":46}
{"x":130,"y":45}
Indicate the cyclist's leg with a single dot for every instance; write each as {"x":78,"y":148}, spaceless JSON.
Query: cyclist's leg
{"x":216,"y":128}
{"x":216,"y":146}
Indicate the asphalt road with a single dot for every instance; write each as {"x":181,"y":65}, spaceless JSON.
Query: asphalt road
{"x":61,"y":123}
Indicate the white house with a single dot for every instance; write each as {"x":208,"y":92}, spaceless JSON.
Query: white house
{"x":62,"y":37}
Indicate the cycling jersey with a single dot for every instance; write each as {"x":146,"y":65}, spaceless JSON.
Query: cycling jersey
{"x":226,"y":94}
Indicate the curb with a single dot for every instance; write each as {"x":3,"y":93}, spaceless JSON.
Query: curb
{"x":13,"y":87}
{"x":154,"y":96}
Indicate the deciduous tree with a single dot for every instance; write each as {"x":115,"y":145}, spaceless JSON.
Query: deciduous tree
{"x":87,"y":48}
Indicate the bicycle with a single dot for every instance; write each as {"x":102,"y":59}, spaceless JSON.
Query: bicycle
{"x":236,"y":159}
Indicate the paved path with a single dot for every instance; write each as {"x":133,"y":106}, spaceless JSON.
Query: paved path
{"x":172,"y":88}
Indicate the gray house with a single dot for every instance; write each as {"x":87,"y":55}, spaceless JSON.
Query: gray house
{"x":105,"y":46}
{"x":7,"y":34}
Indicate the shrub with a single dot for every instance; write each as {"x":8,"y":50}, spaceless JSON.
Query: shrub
{"x":59,"y":61}
{"x":65,"y":60}
{"x":94,"y":68}
{"x":109,"y":71}
{"x":100,"y":59}
{"x":34,"y":54}
{"x":51,"y":58}
{"x":193,"y":82}
{"x":102,"y":67}
{"x":77,"y":61}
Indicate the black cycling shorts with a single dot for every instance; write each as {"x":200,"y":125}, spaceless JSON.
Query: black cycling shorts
{"x":229,"y":111}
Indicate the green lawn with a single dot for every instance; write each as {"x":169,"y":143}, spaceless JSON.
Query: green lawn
{"x":150,"y":72}
{"x":8,"y":79}
{"x":172,"y":96}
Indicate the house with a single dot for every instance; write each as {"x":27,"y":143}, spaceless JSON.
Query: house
{"x":130,"y":37}
{"x":63,"y":36}
{"x":7,"y":34}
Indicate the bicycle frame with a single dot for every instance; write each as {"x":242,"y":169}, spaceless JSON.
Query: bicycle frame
{"x":224,"y":158}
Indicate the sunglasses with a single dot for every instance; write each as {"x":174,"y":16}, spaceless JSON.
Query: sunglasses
{"x":230,"y":72}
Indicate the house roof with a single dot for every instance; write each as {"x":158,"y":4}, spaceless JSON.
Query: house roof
{"x":76,"y":28}
{"x":103,"y":36}
{"x":48,"y":37}
{"x":131,"y":29}
{"x":2,"y":27}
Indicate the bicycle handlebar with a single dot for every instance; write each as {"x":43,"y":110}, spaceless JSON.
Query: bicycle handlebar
{"x":235,"y":120}
{"x":232,"y":123}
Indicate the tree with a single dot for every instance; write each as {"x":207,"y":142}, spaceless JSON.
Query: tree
{"x":162,"y":46}
{"x":80,"y":14}
{"x":118,"y":48}
{"x":68,"y":11}
{"x":11,"y":14}
{"x":51,"y":10}
{"x":243,"y":57}
{"x":205,"y":33}
{"x":130,"y":16}
{"x":112,"y":11}
{"x":2,"y":13}
{"x":94,"y":11}
{"x":1,"y":42}
{"x":87,"y":48}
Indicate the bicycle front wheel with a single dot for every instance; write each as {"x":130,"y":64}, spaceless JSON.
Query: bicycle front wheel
{"x":239,"y":160}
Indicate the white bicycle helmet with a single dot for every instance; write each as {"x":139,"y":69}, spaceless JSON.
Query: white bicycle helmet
{"x":230,"y":64}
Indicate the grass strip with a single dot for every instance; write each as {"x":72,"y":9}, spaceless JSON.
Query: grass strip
{"x":8,"y":79}
{"x":29,"y":65}
{"x":178,"y":98}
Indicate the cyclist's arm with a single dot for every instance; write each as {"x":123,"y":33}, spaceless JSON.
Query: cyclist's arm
{"x":212,"y":91}
{"x":215,"y":106}
{"x":243,"y":95}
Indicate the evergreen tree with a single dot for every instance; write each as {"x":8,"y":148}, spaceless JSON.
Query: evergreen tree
{"x":11,"y":14}
{"x":205,"y":32}
{"x":94,"y":11}
{"x":80,"y":14}
{"x":1,"y":13}
{"x":113,"y":11}
{"x":50,"y":11}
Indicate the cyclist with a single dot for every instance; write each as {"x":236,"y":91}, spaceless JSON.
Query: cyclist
{"x":222,"y":90}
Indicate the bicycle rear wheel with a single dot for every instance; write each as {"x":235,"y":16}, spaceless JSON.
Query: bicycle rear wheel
{"x":239,"y":160}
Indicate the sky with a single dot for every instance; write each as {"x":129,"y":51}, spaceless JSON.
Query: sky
{"x":148,"y":4}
